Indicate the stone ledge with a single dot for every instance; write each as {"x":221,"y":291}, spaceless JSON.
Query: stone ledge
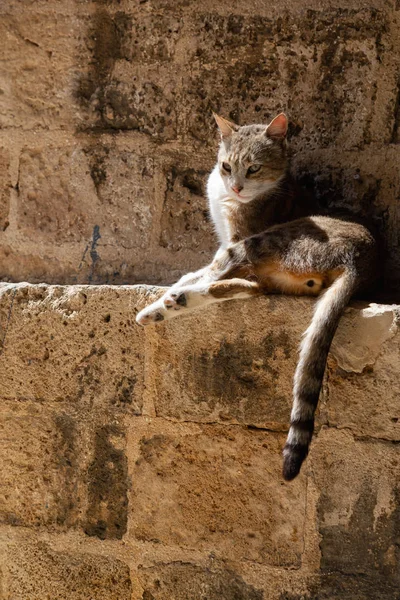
{"x":167,"y":440}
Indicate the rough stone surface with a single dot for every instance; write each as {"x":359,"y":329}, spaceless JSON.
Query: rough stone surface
{"x":72,"y":347}
{"x":52,"y":197}
{"x":146,"y":463}
{"x":238,"y":371}
{"x":191,"y":582}
{"x":184,"y":220}
{"x":35,"y":571}
{"x":40,"y":466}
{"x":367,"y":342}
{"x":70,"y":371}
{"x":358,"y":529}
{"x":105,"y":113}
{"x":214,"y":488}
{"x":39,"y":69}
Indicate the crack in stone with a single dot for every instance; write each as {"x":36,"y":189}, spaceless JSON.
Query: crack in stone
{"x":3,"y":341}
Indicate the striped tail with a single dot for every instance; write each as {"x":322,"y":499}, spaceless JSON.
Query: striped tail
{"x":310,"y":370}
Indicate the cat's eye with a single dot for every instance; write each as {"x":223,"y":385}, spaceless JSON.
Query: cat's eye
{"x":226,"y":167}
{"x":253,"y":169}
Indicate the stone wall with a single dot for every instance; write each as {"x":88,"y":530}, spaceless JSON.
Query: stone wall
{"x":107,"y":136}
{"x":146,"y":464}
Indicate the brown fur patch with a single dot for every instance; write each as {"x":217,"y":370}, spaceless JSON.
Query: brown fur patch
{"x":229,"y":288}
{"x":273,"y":277}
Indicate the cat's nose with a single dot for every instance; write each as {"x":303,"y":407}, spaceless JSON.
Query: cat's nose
{"x":237,"y":188}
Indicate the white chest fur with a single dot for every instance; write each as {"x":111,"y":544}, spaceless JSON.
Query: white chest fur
{"x":220,"y":205}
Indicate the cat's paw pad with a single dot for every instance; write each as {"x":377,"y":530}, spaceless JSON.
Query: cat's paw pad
{"x":148,"y":316}
{"x":175,"y":300}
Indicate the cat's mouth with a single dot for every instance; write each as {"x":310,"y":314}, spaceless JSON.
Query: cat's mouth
{"x":242,"y":197}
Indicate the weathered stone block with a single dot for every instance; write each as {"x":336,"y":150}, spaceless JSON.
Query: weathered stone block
{"x":363,"y":382}
{"x":64,"y":193}
{"x":34,"y":571}
{"x":63,"y":469}
{"x":322,"y":67}
{"x":75,"y":346}
{"x":40,"y":453}
{"x":339,"y":188}
{"x":185,"y":581}
{"x":22,"y":261}
{"x":56,"y":197}
{"x":39,"y":70}
{"x":124,"y":182}
{"x":126,"y":84}
{"x":239,"y":369}
{"x":152,"y":40}
{"x":216,"y":488}
{"x":358,"y":512}
{"x":185,"y":221}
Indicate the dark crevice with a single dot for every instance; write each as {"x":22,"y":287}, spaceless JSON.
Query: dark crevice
{"x":395,"y":132}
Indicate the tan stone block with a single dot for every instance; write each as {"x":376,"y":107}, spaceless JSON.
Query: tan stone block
{"x":26,"y":261}
{"x":153,"y":40}
{"x":77,"y":345}
{"x":321,"y":67}
{"x":236,"y":365}
{"x":363,"y":378}
{"x":41,"y":62}
{"x":34,"y":571}
{"x":185,"y":221}
{"x":117,"y":88}
{"x":219,"y":579}
{"x":57,"y":199}
{"x":63,"y":469}
{"x":216,"y":488}
{"x":133,"y":97}
{"x":124,"y":182}
{"x":92,"y":209}
{"x":91,"y":261}
{"x":186,"y":581}
{"x":358,"y":514}
{"x":40,"y":456}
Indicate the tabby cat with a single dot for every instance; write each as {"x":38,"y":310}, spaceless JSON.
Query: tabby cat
{"x":265,"y":247}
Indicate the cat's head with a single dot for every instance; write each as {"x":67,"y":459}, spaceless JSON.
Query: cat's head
{"x":252,"y":159}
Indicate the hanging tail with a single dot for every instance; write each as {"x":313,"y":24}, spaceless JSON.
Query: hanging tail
{"x":310,"y":370}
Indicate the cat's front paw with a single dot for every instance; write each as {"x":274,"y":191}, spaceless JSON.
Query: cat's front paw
{"x":185,"y":298}
{"x":175,"y":299}
{"x":151,"y":314}
{"x":172,"y":304}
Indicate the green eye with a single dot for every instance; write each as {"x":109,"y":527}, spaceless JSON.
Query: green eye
{"x":226,"y":167}
{"x":253,"y":169}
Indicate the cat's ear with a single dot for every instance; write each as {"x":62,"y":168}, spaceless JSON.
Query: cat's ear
{"x":278,"y":127}
{"x":226,"y":128}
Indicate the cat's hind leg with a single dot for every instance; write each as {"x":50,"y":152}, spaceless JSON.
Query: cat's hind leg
{"x":179,"y":301}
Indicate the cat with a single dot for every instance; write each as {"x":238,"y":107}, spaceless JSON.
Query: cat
{"x":267,"y":245}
